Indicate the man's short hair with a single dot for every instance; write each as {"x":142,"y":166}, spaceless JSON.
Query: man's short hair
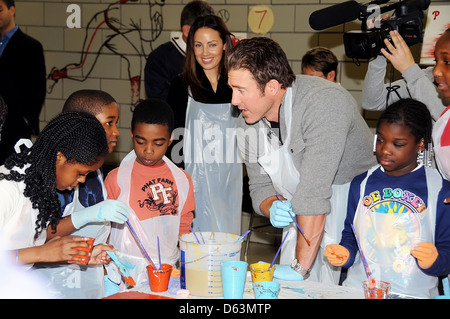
{"x":320,"y":59}
{"x":264,"y":58}
{"x":193,"y":10}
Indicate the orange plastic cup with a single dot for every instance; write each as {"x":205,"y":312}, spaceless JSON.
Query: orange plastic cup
{"x":159,"y":278}
{"x":85,"y":259}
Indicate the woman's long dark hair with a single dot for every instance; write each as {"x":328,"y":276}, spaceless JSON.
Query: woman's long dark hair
{"x":191,"y":67}
{"x":80,"y":137}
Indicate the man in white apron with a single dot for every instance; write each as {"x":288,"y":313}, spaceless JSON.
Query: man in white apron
{"x":321,"y":144}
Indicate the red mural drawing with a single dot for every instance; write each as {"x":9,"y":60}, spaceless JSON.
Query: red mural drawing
{"x":118,"y":36}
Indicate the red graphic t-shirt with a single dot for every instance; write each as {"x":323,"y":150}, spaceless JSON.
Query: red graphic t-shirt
{"x":154,"y":193}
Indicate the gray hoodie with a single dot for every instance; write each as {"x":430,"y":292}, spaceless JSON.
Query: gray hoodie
{"x":330,"y":144}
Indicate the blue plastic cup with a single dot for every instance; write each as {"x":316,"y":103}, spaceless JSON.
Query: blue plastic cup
{"x":234,"y":273}
{"x":266,"y":289}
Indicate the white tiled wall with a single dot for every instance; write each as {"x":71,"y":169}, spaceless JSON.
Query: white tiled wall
{"x":46,"y":21}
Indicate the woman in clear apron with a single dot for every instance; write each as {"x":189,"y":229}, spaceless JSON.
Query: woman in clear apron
{"x":209,"y":142}
{"x":278,"y":164}
{"x":148,"y":230}
{"x":217,"y":178}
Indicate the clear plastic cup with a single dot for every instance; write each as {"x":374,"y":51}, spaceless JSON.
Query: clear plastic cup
{"x":376,"y":289}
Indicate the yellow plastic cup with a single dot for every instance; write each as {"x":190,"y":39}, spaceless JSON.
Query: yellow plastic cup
{"x":261,"y":272}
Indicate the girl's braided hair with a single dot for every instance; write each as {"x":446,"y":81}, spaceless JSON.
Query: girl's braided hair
{"x":411,"y":113}
{"x":80,"y":137}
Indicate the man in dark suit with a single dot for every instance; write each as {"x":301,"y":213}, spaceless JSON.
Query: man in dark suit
{"x":22,"y":80}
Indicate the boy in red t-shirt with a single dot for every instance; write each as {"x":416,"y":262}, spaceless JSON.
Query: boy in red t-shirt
{"x":160,"y":195}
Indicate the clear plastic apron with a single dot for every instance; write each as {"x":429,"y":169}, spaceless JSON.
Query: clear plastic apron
{"x":277,"y":162}
{"x":211,"y":158}
{"x":442,"y":153}
{"x":166,"y":227}
{"x":75,"y":281}
{"x":386,"y":240}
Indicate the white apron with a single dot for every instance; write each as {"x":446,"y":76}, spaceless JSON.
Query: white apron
{"x":278,"y":164}
{"x":19,"y":231}
{"x":75,"y":281}
{"x":442,"y":152}
{"x":166,"y":227}
{"x":212,"y":160}
{"x":386,"y":240}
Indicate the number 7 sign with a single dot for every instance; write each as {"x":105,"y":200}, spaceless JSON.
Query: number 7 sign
{"x":260,"y":19}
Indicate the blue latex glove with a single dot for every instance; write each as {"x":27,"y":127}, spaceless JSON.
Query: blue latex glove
{"x":107,"y":210}
{"x":285,"y":272}
{"x":110,"y":287}
{"x":279,"y":213}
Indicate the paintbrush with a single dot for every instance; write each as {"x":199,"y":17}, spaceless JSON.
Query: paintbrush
{"x":140,"y":244}
{"x":298,"y":226}
{"x":159,"y":253}
{"x":201,"y":235}
{"x":279,"y":249}
{"x":242,"y":236}
{"x":366,"y":265}
{"x":198,"y":241}
{"x":123,"y":270}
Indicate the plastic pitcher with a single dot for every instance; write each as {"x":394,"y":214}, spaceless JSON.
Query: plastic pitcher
{"x":201,"y":263}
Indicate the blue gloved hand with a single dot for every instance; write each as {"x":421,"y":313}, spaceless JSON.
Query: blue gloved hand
{"x":285,"y":272}
{"x":110,"y":287}
{"x":107,"y":210}
{"x":279,"y":213}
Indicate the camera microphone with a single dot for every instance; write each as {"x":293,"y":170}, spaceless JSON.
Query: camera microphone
{"x":334,"y":15}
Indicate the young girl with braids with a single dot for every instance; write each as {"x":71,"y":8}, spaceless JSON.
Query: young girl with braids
{"x":90,"y":193}
{"x":68,"y":148}
{"x":397,"y":209}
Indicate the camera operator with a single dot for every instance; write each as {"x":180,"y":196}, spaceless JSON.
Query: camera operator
{"x":417,"y":83}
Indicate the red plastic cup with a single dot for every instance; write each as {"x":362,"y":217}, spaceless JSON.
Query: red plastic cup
{"x":159,"y":278}
{"x":85,"y":259}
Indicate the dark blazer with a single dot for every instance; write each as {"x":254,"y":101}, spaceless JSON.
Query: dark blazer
{"x":163,"y":64}
{"x":23,"y":87}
